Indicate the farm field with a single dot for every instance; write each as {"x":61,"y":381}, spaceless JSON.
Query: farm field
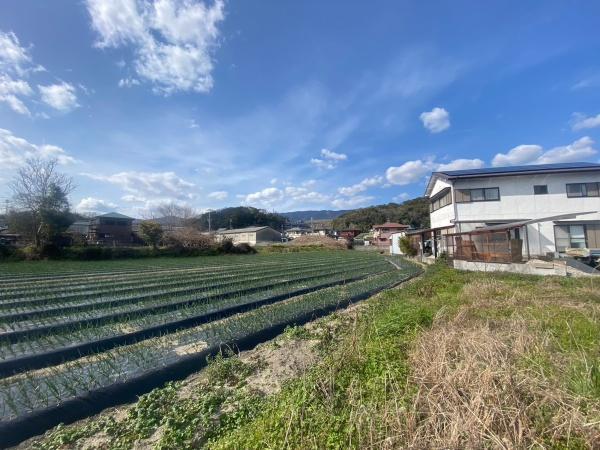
{"x":78,"y":337}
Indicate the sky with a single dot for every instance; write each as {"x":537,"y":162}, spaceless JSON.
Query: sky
{"x":290,"y":105}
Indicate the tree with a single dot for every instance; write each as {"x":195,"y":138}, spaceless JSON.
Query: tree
{"x":240,"y":217}
{"x":151,"y":232}
{"x":174,"y":215}
{"x":41,"y":191}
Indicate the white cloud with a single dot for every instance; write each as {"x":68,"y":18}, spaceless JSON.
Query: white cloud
{"x":267,"y":197}
{"x":61,"y":97}
{"x":144,"y":186}
{"x":91,"y":204}
{"x":329,"y":159}
{"x":128,"y":82}
{"x":362,"y":186}
{"x":328,"y":154}
{"x":10,"y":90}
{"x":13,"y":57}
{"x":581,"y":149}
{"x":401,"y":197}
{"x":436,"y":120}
{"x":218,"y":195}
{"x":409,"y":172}
{"x":581,"y":122}
{"x":352,"y":202}
{"x":521,"y":154}
{"x":462,"y":164}
{"x":14,"y":151}
{"x":173,"y":40}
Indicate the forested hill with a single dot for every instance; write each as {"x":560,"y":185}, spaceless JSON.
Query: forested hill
{"x":240,"y":217}
{"x":412,"y":212}
{"x":306,"y":216}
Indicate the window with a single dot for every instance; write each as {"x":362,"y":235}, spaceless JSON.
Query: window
{"x":570,"y":236}
{"x":441,"y":199}
{"x":478,"y":195}
{"x":540,"y":189}
{"x":583,"y":190}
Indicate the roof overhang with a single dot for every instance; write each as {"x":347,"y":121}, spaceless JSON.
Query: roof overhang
{"x":525,"y":170}
{"x":522,"y":223}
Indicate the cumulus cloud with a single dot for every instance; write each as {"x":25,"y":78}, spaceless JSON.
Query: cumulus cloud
{"x":328,"y":160}
{"x":352,"y":202}
{"x":409,"y":172}
{"x":581,"y":122}
{"x":218,"y":195}
{"x":128,"y":82}
{"x":61,"y":97}
{"x":581,"y":149}
{"x":436,"y":120}
{"x":173,"y":41}
{"x":267,"y":197}
{"x":11,"y":90}
{"x":91,"y":204}
{"x":362,"y":186}
{"x":143,"y":186}
{"x":462,"y":164}
{"x":14,"y":151}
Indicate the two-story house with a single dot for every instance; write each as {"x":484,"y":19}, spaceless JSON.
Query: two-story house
{"x":535,"y":209}
{"x":382,"y":233}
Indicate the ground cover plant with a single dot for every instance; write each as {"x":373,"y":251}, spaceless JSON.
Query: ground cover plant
{"x":84,"y":331}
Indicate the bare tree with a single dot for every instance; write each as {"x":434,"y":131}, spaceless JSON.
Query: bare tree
{"x":174,"y":215}
{"x":38,"y":188}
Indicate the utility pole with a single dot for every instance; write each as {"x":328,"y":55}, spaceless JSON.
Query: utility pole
{"x":209,"y":221}
{"x":230,"y":227}
{"x":6,"y":210}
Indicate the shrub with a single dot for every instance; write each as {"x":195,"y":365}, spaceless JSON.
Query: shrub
{"x":406,"y":247}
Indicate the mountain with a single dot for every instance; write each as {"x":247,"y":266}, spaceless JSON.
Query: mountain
{"x":240,"y":217}
{"x":412,"y":212}
{"x":306,"y":216}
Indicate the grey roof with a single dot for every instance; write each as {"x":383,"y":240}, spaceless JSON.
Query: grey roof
{"x":114,"y":215}
{"x":510,"y":170}
{"x":243,"y":230}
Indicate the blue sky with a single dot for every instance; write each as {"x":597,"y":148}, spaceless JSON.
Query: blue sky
{"x":291,"y":105}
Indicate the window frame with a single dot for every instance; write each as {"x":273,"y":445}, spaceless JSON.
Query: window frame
{"x":544,"y":186}
{"x":584,"y":189}
{"x":440,"y":200}
{"x":467,"y":192}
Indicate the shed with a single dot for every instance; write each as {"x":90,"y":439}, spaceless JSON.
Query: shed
{"x":250,"y":235}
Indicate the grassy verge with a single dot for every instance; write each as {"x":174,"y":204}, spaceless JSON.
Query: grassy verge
{"x":451,"y":360}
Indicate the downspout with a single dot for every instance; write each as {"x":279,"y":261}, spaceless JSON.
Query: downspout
{"x":454,"y":206}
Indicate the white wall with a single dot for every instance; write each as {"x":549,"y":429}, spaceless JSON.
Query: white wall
{"x":517,"y":201}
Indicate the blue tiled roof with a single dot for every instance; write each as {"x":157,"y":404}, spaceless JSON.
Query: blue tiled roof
{"x":513,"y":169}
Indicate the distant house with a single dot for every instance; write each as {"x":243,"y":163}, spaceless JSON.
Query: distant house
{"x":295,"y":232}
{"x":382,"y":233}
{"x":348,"y":234}
{"x":112,"y":228}
{"x":250,"y":235}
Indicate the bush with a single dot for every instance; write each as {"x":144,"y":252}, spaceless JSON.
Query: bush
{"x":406,"y":247}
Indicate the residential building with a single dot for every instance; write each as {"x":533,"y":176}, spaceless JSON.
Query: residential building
{"x":250,"y":235}
{"x":295,"y":232}
{"x":111,"y":229}
{"x":383,"y":232}
{"x":348,"y":234}
{"x":507,"y":214}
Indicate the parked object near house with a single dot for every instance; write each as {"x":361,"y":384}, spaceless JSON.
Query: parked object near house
{"x":511,"y":214}
{"x":111,"y":229}
{"x":348,"y":234}
{"x":382,"y":233}
{"x":250,"y":235}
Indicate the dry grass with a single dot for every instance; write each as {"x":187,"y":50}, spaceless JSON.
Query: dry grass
{"x":473,"y":392}
{"x":318,"y":241}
